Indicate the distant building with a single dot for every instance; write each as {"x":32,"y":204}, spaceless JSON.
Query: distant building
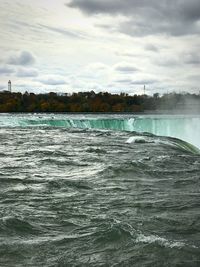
{"x":9,"y":86}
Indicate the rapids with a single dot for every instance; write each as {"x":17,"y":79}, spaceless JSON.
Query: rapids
{"x":99,"y":190}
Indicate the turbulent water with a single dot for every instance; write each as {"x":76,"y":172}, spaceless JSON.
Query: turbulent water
{"x":111,"y":190}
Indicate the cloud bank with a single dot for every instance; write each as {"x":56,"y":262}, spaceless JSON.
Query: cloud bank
{"x":113,"y":45}
{"x":147,"y":17}
{"x":24,"y":58}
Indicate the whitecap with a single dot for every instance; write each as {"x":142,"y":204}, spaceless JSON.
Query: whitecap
{"x":159,"y":240}
{"x":136,"y":139}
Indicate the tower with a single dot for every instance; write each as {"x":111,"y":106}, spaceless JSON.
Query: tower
{"x":9,"y":85}
{"x":144,"y":89}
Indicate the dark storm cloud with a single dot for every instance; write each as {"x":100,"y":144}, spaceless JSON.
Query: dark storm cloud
{"x":148,"y":17}
{"x":24,"y":58}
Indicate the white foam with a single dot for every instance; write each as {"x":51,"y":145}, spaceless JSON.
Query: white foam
{"x":136,"y":139}
{"x":160,"y":240}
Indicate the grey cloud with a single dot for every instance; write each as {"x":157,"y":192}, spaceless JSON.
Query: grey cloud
{"x":52,"y":81}
{"x":136,"y":82}
{"x":144,"y":82}
{"x":126,"y":54}
{"x":95,"y":6}
{"x":2,"y":87}
{"x":123,"y":67}
{"x":148,"y":17}
{"x":151,"y":47}
{"x":65,"y":32}
{"x":124,"y":81}
{"x":168,"y":61}
{"x":106,"y":26}
{"x":193,"y":77}
{"x":190,"y":10}
{"x":147,"y":25}
{"x":193,"y":59}
{"x":178,"y":60}
{"x":24,"y":58}
{"x":20,"y":25}
{"x":6,"y":70}
{"x":27,"y":73}
{"x":126,"y":69}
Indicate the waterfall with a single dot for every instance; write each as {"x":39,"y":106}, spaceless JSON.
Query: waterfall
{"x":185,"y":128}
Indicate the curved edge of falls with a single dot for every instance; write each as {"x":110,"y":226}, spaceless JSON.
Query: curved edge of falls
{"x":184,"y":128}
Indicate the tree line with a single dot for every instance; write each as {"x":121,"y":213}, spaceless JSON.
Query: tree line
{"x":96,"y":102}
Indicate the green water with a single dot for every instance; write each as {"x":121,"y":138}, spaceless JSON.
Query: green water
{"x":91,"y":190}
{"x":186,"y":128}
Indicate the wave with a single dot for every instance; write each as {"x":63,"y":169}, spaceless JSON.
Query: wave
{"x":17,"y":225}
{"x":150,"y":239}
{"x":183,"y":145}
{"x":168,"y":141}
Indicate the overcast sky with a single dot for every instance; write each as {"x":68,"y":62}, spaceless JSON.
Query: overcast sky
{"x":100,"y":45}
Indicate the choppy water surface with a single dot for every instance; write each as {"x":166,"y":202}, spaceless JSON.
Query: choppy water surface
{"x":89,"y":197}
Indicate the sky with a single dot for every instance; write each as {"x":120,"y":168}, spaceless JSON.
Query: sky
{"x":117,"y":46}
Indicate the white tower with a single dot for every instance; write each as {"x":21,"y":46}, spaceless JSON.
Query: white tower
{"x":9,"y":85}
